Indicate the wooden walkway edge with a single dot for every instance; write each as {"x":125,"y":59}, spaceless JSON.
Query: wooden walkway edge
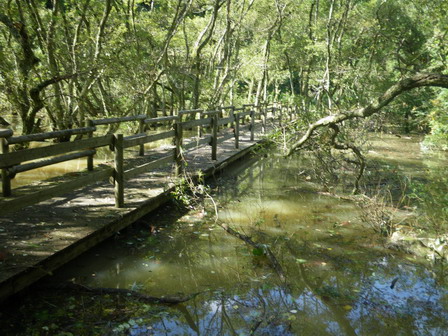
{"x":42,"y":237}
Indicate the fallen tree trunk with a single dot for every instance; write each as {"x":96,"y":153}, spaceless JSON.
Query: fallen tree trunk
{"x":419,"y":80}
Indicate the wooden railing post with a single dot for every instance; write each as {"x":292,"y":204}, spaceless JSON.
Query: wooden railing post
{"x":200,"y":130}
{"x":4,"y":148}
{"x":141,"y":129}
{"x":178,"y":161}
{"x":252,"y":124}
{"x":258,"y":112}
{"x":90,"y":123}
{"x":232,"y":115}
{"x":118,"y":171}
{"x":264,"y":116}
{"x":237,"y":130}
{"x":214,"y":125}
{"x":274,"y":111}
{"x":243,"y":119}
{"x":220,"y":115}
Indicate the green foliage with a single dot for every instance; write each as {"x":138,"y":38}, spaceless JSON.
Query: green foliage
{"x":432,"y":197}
{"x":153,"y":57}
{"x":438,"y":121}
{"x":190,"y":190}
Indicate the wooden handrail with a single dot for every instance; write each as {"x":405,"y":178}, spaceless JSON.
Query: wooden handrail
{"x":50,"y":135}
{"x":6,"y":132}
{"x":109,"y":121}
{"x":14,"y":158}
{"x":183,"y":112}
{"x":160,"y":119}
{"x":43,"y":163}
{"x":11,"y":163}
{"x":197,"y":122}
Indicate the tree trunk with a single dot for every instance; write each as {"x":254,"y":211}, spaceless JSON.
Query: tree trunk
{"x":419,"y":80}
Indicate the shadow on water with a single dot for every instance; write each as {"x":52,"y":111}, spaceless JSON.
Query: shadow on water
{"x":340,"y":280}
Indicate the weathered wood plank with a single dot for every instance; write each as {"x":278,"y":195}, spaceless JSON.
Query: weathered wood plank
{"x":225,"y":137}
{"x":210,"y":113}
{"x":198,"y":122}
{"x":109,"y":226}
{"x":178,"y":159}
{"x":118,"y":171}
{"x":237,"y":131}
{"x":214,"y":137}
{"x":108,"y":121}
{"x":60,"y":189}
{"x":13,"y":158}
{"x":160,"y":119}
{"x":43,"y":163}
{"x":206,"y":140}
{"x":226,"y":121}
{"x":143,"y":139}
{"x":6,"y":132}
{"x":141,"y":129}
{"x":6,"y":180}
{"x":184,"y":112}
{"x":90,"y":135}
{"x":244,"y":114}
{"x":28,"y":276}
{"x":148,"y":166}
{"x":50,"y":135}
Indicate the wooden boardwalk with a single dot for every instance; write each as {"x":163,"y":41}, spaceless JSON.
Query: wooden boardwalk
{"x":37,"y":239}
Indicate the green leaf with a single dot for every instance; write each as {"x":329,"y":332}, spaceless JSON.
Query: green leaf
{"x":257,"y":252}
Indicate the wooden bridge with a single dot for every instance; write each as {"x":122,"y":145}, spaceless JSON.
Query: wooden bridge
{"x":46,"y":224}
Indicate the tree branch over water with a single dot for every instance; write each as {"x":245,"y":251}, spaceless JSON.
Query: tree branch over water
{"x":416,"y":81}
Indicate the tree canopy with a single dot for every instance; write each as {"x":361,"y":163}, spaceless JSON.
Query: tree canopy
{"x":64,"y":61}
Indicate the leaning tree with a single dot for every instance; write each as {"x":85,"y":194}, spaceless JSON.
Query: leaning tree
{"x":334,"y":121}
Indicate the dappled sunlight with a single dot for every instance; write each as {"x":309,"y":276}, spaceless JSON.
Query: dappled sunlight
{"x":340,"y":277}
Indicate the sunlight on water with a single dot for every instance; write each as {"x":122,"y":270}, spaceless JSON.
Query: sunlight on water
{"x":340,"y":278}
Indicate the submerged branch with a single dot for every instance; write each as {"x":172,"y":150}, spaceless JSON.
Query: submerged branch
{"x":273,"y":260}
{"x":125,"y":292}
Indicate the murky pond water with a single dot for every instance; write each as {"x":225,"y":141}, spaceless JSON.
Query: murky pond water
{"x":340,"y":279}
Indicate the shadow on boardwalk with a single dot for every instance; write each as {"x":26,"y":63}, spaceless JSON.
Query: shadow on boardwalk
{"x":38,"y":239}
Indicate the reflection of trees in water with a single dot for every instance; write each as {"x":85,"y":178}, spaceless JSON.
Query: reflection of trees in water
{"x":334,"y":300}
{"x":345,"y":291}
{"x":302,"y":307}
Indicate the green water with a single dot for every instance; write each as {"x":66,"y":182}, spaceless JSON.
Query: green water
{"x":340,"y":279}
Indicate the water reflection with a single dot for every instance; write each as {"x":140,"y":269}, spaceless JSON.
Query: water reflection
{"x":340,"y":280}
